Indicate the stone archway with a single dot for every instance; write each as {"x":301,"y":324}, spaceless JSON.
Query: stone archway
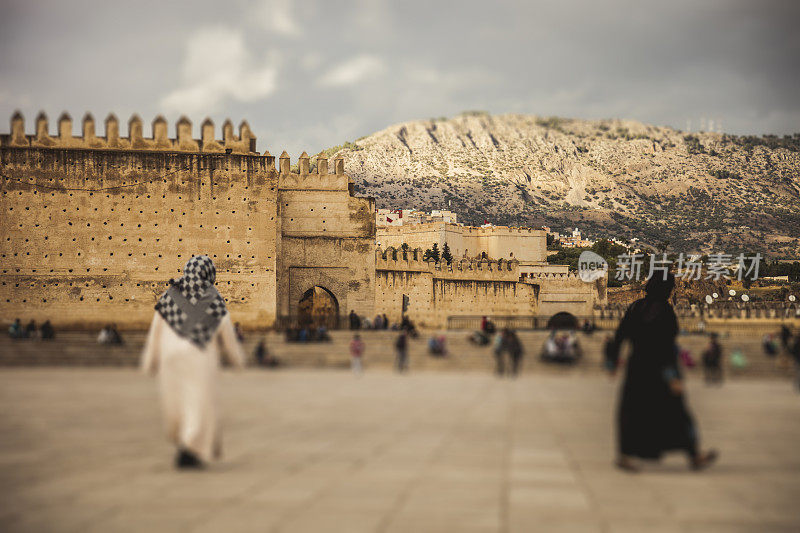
{"x":318,"y":307}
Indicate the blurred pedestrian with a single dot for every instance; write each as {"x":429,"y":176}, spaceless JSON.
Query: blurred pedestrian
{"x":795,"y":353}
{"x":401,"y":345}
{"x":499,"y":352}
{"x":356,"y":352}
{"x":260,"y":352}
{"x":191,"y":330}
{"x":610,"y":361}
{"x":239,"y":333}
{"x":653,"y":417}
{"x":786,"y":338}
{"x":712,"y":361}
{"x":355,"y":321}
{"x":515,"y":351}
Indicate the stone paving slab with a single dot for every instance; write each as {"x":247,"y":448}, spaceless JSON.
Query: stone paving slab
{"x":309,"y":450}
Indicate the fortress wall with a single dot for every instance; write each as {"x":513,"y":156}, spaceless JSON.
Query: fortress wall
{"x":438,"y":290}
{"x":432,"y":299}
{"x":327,"y":238}
{"x":567,"y":292}
{"x":83,"y":258}
{"x":497,"y":242}
{"x":244,"y":142}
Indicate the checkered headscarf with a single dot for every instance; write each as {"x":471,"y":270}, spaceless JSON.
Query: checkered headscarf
{"x":192,"y":306}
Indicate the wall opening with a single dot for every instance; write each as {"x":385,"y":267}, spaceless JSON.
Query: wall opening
{"x":318,"y":307}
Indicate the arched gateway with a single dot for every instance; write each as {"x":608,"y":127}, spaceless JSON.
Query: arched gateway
{"x":318,"y":307}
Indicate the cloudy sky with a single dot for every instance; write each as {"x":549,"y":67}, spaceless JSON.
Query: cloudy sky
{"x":312,"y":74}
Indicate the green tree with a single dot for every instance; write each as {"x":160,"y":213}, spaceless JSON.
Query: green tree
{"x":446,"y":255}
{"x":432,"y":253}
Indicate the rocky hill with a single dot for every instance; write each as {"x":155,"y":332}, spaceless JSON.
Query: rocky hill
{"x":697,"y":192}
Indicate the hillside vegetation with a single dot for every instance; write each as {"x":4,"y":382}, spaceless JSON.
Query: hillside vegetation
{"x":699,"y":192}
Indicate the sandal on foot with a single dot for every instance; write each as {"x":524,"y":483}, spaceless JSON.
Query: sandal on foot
{"x":705,"y":460}
{"x":626,"y":465}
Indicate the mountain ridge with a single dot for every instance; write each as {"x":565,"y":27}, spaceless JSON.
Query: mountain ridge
{"x":698,"y":192}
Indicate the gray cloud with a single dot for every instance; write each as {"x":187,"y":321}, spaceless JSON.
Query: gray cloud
{"x":308,"y":75}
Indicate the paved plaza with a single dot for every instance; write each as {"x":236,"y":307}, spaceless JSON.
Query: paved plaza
{"x":323,"y":451}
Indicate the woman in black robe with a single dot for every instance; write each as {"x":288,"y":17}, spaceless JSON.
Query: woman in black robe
{"x":653,"y":417}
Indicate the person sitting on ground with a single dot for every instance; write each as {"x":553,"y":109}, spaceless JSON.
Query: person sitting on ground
{"x":46,"y":332}
{"x":377,"y":323}
{"x":15,"y":331}
{"x":437,"y":346}
{"x":322,"y":334}
{"x":31,"y":331}
{"x":104,"y":337}
{"x":114,"y":334}
{"x":478,"y":337}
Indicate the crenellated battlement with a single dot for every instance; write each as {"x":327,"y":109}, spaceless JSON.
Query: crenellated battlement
{"x":393,"y":259}
{"x":243,"y":143}
{"x":305,"y":179}
{"x":554,"y":276}
{"x":459,"y":228}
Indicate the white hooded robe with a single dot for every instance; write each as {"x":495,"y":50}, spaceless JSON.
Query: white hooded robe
{"x":188,"y":383}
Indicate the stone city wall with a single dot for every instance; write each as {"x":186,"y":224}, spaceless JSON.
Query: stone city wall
{"x":523,"y":244}
{"x":566,"y":291}
{"x":244,"y":143}
{"x":93,"y":228}
{"x":437,"y":290}
{"x":327,"y":238}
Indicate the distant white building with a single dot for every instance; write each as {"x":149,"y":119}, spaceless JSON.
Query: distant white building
{"x":575,"y":240}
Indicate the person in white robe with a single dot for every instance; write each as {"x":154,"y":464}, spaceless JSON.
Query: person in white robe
{"x":190,"y":333}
